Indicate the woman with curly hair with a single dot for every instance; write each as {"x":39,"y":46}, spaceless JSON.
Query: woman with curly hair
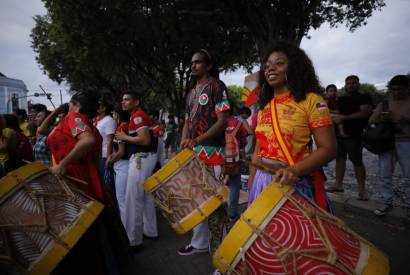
{"x":291,"y":112}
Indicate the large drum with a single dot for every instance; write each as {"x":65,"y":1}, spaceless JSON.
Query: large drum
{"x":41,"y":218}
{"x":284,"y":233}
{"x":186,"y":191}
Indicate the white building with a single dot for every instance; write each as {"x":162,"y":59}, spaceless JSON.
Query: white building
{"x":13,"y":94}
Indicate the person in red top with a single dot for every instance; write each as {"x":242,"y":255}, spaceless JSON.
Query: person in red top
{"x":140,"y":215}
{"x":119,"y":160}
{"x":158,"y":132}
{"x":75,"y":145}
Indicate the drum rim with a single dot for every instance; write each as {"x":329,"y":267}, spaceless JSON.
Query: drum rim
{"x":371,"y":259}
{"x":16,"y":178}
{"x":257,"y":213}
{"x":164,"y":173}
{"x":54,"y":251}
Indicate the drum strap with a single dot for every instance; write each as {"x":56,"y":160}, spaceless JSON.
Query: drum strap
{"x":318,"y":179}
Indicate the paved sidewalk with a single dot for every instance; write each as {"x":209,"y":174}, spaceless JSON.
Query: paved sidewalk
{"x":397,"y":216}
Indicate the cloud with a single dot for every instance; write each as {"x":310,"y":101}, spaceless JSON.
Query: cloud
{"x":375,"y":52}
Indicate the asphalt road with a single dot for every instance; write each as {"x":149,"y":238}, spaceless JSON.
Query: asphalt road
{"x":160,"y":256}
{"x":392,"y":239}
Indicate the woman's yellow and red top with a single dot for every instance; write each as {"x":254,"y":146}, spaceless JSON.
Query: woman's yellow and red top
{"x":296,"y":120}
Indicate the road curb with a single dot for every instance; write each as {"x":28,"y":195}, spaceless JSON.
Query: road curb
{"x":397,"y":216}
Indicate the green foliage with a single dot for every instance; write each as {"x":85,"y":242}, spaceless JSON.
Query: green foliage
{"x":147,"y":45}
{"x":235,"y":92}
{"x":367,"y":88}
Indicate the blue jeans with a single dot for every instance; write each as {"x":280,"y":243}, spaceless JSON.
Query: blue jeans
{"x":234,"y":184}
{"x":387,"y":162}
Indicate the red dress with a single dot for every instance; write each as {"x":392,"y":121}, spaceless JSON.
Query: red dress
{"x":62,"y":140}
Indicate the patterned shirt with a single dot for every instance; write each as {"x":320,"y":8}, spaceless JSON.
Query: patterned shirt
{"x":41,"y":151}
{"x":204,"y":102}
{"x":297,"y":120}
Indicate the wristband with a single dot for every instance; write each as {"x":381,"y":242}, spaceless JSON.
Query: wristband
{"x":296,"y":170}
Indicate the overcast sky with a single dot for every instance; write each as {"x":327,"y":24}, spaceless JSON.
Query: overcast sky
{"x":374,"y":52}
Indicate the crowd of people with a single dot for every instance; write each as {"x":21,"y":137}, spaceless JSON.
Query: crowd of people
{"x":89,"y":138}
{"x":351,"y":114}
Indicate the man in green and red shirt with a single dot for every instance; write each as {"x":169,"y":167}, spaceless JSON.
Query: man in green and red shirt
{"x":204,"y":129}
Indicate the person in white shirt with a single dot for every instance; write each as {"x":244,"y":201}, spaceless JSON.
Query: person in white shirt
{"x":106,"y":125}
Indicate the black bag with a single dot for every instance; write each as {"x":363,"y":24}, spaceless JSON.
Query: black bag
{"x":378,"y":138}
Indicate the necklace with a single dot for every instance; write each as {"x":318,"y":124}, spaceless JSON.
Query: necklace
{"x":194,"y":99}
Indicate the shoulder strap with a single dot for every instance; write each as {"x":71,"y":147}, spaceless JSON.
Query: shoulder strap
{"x":278,"y":133}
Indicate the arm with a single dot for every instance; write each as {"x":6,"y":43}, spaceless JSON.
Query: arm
{"x":215,"y":130}
{"x":4,"y":143}
{"x":252,"y":169}
{"x":84,"y":144}
{"x":326,"y":151}
{"x":247,"y":128}
{"x":110,"y":139}
{"x":143,"y":137}
{"x":115,"y":156}
{"x":184,"y":137}
{"x":45,"y":125}
{"x":365,"y":112}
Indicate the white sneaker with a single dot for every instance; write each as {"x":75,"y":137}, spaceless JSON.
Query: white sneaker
{"x":216,"y":272}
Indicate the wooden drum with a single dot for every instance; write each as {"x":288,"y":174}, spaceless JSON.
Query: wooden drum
{"x":285,"y":233}
{"x":41,"y":218}
{"x":186,"y":191}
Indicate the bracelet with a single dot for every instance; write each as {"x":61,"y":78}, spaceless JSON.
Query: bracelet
{"x":195,"y":141}
{"x":296,"y":170}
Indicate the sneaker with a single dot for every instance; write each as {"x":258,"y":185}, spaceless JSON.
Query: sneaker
{"x":189,"y":249}
{"x":216,"y":272}
{"x":383,"y":210}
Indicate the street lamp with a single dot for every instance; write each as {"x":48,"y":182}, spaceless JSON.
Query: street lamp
{"x":15,"y":97}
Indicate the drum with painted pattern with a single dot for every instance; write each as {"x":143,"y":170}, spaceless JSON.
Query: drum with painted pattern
{"x":186,"y":191}
{"x":284,"y":233}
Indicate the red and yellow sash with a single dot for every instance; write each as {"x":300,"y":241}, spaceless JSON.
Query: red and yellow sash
{"x":318,"y":180}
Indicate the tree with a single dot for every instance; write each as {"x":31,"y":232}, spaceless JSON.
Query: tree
{"x":235,"y":93}
{"x":147,"y":45}
{"x":367,"y":88}
{"x":267,"y":20}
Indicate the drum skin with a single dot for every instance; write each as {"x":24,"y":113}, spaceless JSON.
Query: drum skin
{"x":186,"y":191}
{"x":41,"y":219}
{"x":283,"y":233}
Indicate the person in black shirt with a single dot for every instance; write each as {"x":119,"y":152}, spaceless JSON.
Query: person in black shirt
{"x":354,"y":111}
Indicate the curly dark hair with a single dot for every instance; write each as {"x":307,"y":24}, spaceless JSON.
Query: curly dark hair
{"x":301,"y":75}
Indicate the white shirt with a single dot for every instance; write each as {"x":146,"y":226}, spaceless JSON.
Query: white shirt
{"x":106,"y":126}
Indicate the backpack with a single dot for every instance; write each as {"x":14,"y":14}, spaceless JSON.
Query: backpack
{"x":232,"y":159}
{"x":378,"y":138}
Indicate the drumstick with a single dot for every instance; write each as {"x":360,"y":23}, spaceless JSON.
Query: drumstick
{"x":68,"y":177}
{"x":261,"y":167}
